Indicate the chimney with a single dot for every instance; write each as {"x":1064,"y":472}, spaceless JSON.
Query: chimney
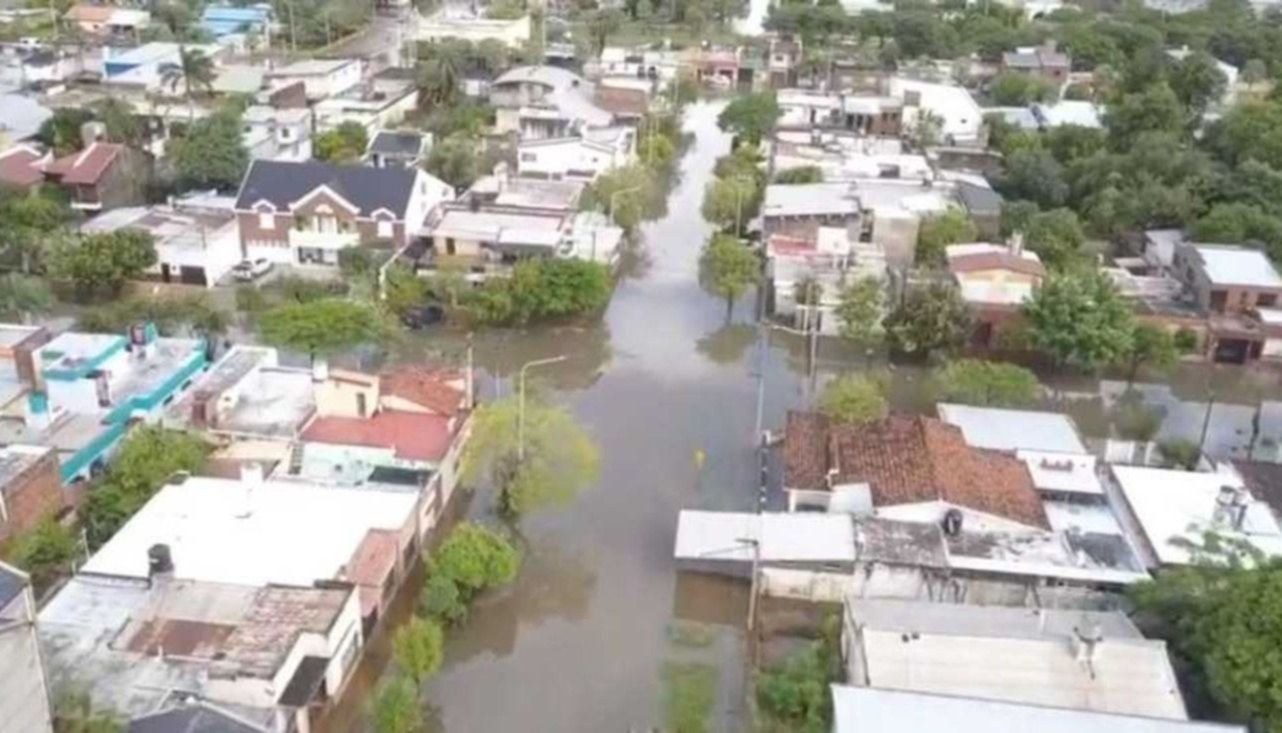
{"x":320,"y":370}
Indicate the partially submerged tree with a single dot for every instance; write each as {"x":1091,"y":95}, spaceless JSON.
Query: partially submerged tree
{"x":861,"y":310}
{"x":419,"y":648}
{"x":750,"y":117}
{"x":394,"y":707}
{"x":322,"y":327}
{"x":853,"y":399}
{"x":1079,"y":319}
{"x":101,"y":263}
{"x":939,"y":231}
{"x":560,"y":458}
{"x":986,"y":384}
{"x":471,"y":560}
{"x":1149,"y":346}
{"x":727,"y":268}
{"x":929,"y":320}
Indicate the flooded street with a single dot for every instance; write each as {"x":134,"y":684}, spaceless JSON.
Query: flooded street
{"x":580,"y":642}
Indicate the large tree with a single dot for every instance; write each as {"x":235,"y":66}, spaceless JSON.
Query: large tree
{"x":212,"y":153}
{"x":1221,"y":620}
{"x":731,"y":203}
{"x":727,"y":268}
{"x":560,"y":458}
{"x":929,"y":320}
{"x":1197,"y":80}
{"x":343,"y":144}
{"x":1079,"y":319}
{"x":860,"y":311}
{"x":30,"y":222}
{"x":939,"y":231}
{"x":419,"y":648}
{"x":750,"y":117}
{"x":1056,"y":236}
{"x":322,"y":327}
{"x":194,"y":72}
{"x":471,"y":560}
{"x":853,"y":399}
{"x":101,"y":263}
{"x":986,"y":383}
{"x":1149,"y":346}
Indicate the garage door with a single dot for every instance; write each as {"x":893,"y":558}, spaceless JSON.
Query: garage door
{"x":192,"y":276}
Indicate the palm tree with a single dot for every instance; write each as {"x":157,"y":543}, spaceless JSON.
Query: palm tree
{"x":439,"y":79}
{"x":194,"y":70}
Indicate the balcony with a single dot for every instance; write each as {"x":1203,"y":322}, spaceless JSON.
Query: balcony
{"x":313,"y":239}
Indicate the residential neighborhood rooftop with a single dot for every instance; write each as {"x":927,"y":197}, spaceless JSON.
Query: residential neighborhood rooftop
{"x":1011,"y":430}
{"x":1230,"y":265}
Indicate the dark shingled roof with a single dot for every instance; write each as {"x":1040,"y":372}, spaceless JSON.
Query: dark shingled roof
{"x":1263,"y":480}
{"x":906,"y":460}
{"x":369,"y":189}
{"x":979,"y":199}
{"x":193,"y":718}
{"x":408,"y":144}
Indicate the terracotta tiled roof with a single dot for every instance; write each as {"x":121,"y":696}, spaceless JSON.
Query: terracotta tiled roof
{"x":85,"y":166}
{"x":621,"y":101}
{"x":412,"y":435}
{"x":432,"y":389}
{"x":20,"y":167}
{"x":906,"y":460}
{"x":996,"y":261}
{"x":90,"y":13}
{"x":373,"y":561}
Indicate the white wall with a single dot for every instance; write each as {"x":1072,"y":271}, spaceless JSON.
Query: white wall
{"x":220,"y":254}
{"x":428,"y":192}
{"x":932,"y":512}
{"x":24,"y":697}
{"x":558,"y":159}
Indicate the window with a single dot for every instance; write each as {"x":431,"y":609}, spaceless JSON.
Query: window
{"x":1266,"y":300}
{"x":360,"y":404}
{"x":267,"y":222}
{"x":528,"y":157}
{"x":384,"y":229}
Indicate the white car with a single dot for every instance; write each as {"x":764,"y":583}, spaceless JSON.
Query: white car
{"x":247,"y":270}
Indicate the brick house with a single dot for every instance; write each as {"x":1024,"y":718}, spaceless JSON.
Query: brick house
{"x":30,"y":488}
{"x":304,"y":213}
{"x":995,"y":281}
{"x":1045,"y":61}
{"x":103,"y":176}
{"x":1239,"y":290}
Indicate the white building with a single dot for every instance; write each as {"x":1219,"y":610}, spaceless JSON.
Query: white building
{"x":321,"y":78}
{"x":194,"y":246}
{"x":582,"y":157}
{"x":1000,"y":429}
{"x":144,"y":66}
{"x":443,"y":26}
{"x":1173,"y":512}
{"x":541,"y":102}
{"x":960,"y":117}
{"x":277,"y":134}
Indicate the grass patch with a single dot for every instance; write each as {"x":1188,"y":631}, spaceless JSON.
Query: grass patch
{"x":689,"y":691}
{"x":692,"y":635}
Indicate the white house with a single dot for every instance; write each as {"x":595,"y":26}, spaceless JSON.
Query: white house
{"x":960,"y":117}
{"x":321,"y":78}
{"x":443,"y":26}
{"x":583,"y":157}
{"x":194,"y":246}
{"x":277,"y":134}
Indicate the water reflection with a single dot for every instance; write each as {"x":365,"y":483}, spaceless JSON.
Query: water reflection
{"x":728,"y":344}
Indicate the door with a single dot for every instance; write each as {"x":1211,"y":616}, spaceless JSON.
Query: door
{"x":164,"y":273}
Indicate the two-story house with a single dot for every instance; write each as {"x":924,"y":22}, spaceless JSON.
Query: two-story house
{"x":102,"y":176}
{"x":304,"y":213}
{"x":1239,"y":290}
{"x":277,"y":134}
{"x":1046,"y":62}
{"x":540,"y":102}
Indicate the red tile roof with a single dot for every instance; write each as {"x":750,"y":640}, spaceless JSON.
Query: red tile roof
{"x":412,"y":435}
{"x":982,"y":261}
{"x":906,"y":460}
{"x":373,"y":561}
{"x":432,"y":389}
{"x":86,"y":166}
{"x":622,"y":101}
{"x":19,"y":167}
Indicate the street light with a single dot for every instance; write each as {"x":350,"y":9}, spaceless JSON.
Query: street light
{"x":520,"y":401}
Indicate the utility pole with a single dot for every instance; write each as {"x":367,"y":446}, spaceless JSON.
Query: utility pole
{"x":520,"y":408}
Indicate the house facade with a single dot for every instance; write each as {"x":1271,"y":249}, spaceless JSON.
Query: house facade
{"x":30,"y":488}
{"x":102,"y":176}
{"x":304,"y":213}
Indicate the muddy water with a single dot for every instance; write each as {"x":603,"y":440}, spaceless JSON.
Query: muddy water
{"x":580,"y":641}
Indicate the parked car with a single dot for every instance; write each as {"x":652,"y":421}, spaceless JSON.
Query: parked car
{"x":423,"y":316}
{"x":247,"y":270}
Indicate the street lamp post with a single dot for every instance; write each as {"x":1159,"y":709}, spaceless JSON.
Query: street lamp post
{"x":520,"y":402}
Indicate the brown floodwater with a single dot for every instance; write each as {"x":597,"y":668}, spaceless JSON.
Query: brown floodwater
{"x":580,"y":641}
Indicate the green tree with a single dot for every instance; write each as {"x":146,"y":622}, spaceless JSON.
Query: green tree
{"x":194,"y":71}
{"x":1079,"y":319}
{"x":1240,"y":223}
{"x":1056,"y":236}
{"x":343,"y":144}
{"x":394,"y":707}
{"x":794,"y":694}
{"x":75,"y":712}
{"x":454,"y":161}
{"x":1251,"y":130}
{"x":860,"y":309}
{"x":1219,"y":618}
{"x":853,"y":399}
{"x":731,"y":203}
{"x":1149,"y":345}
{"x":602,"y":24}
{"x":419,"y":648}
{"x":1197,"y":81}
{"x":939,"y":231}
{"x":986,"y":384}
{"x":123,"y":126}
{"x":1035,"y":175}
{"x":322,"y":327}
{"x":750,"y":117}
{"x":476,"y":558}
{"x":560,"y":458}
{"x":61,"y":131}
{"x":147,"y":458}
{"x":800,"y":174}
{"x":929,"y":320}
{"x":24,"y":296}
{"x":45,"y":552}
{"x":1014,"y":89}
{"x":30,"y":225}
{"x":1156,"y":109}
{"x":727,"y":268}
{"x":212,"y":153}
{"x":101,"y":263}
{"x":439,"y":76}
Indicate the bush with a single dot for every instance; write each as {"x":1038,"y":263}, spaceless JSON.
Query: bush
{"x":471,"y":560}
{"x":987,"y":384}
{"x":853,"y":398}
{"x":249,"y":299}
{"x":541,"y":290}
{"x":1183,"y":454}
{"x":1186,"y":340}
{"x":45,"y":552}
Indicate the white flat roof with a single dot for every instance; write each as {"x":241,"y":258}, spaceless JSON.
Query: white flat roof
{"x":1226,"y":265}
{"x":288,"y":533}
{"x":1175,"y":508}
{"x":1132,"y":677}
{"x":810,"y":199}
{"x":868,"y":710}
{"x":783,"y":537}
{"x":1011,"y":430}
{"x":1067,"y":472}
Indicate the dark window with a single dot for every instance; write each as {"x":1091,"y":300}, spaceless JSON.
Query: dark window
{"x":360,"y":404}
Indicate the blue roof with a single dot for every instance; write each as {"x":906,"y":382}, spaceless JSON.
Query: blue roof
{"x":223,"y":20}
